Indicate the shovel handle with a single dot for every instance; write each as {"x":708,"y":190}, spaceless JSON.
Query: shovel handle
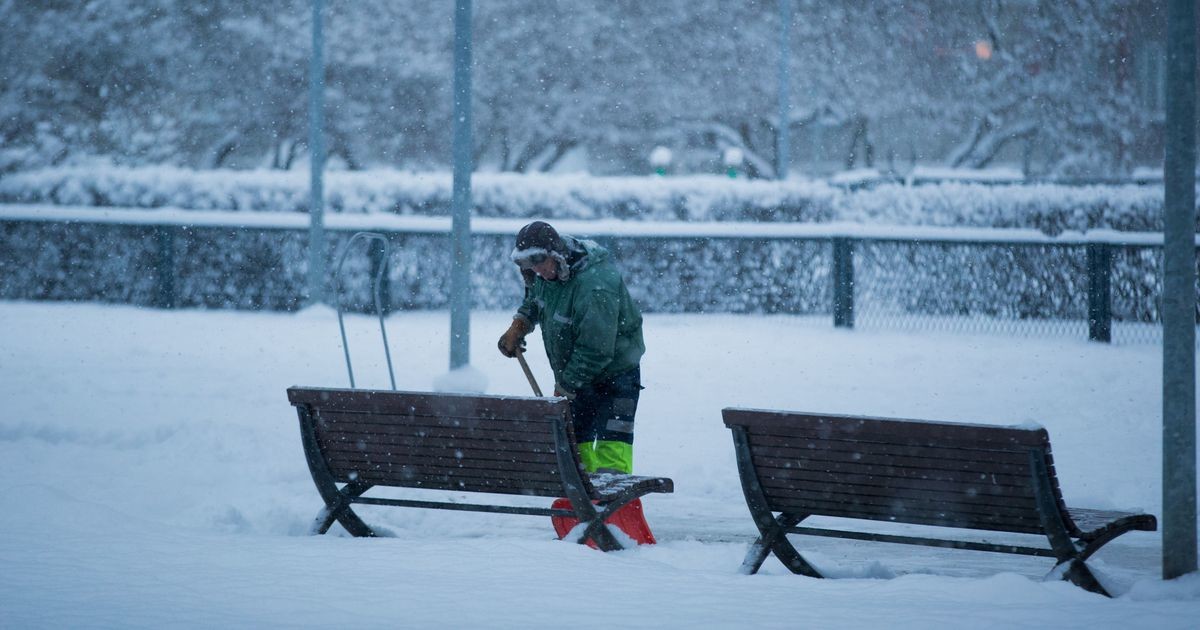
{"x":528,"y":373}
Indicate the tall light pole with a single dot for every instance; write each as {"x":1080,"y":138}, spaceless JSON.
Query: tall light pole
{"x":1179,"y":296}
{"x":783,"y":140}
{"x":316,"y":149}
{"x":460,"y":273}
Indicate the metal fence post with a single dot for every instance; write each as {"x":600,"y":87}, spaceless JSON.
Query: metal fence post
{"x":1099,"y":269}
{"x":843,"y":282}
{"x":165,"y":266}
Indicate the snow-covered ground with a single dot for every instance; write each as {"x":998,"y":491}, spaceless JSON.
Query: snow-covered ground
{"x":152,"y":477}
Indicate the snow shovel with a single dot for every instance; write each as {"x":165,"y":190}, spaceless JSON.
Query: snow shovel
{"x":537,"y":391}
{"x":629,"y":519}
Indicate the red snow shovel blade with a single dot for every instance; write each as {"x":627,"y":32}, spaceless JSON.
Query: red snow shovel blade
{"x":629,"y":519}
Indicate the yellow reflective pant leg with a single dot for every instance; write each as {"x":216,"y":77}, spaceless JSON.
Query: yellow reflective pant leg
{"x":607,"y":455}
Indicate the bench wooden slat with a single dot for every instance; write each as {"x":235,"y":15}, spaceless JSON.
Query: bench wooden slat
{"x":916,"y":432}
{"x":521,"y":434}
{"x":776,"y":466}
{"x":446,"y":465}
{"x":911,"y":514}
{"x":537,"y":426}
{"x":400,"y":431}
{"x":607,"y":485}
{"x":885,"y":495}
{"x":863,"y":483}
{"x":1018,"y":456}
{"x":400,"y":442}
{"x":995,"y":439}
{"x":449,"y":458}
{"x":436,"y":467}
{"x":897,"y":461}
{"x":896,"y":511}
{"x":1093,"y":523}
{"x":839,"y":509}
{"x":945,"y":518}
{"x":463,"y":484}
{"x":423,"y":403}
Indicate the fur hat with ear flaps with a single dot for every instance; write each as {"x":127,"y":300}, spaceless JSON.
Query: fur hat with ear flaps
{"x":539,"y":238}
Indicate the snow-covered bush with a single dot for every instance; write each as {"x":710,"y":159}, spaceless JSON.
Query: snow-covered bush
{"x":697,"y":198}
{"x":266,"y":268}
{"x":1046,"y":207}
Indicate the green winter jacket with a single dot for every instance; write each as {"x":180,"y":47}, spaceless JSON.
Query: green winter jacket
{"x":590,"y":326}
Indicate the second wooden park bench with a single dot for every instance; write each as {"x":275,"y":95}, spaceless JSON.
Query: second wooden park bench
{"x":973,"y":477}
{"x":356,"y":440}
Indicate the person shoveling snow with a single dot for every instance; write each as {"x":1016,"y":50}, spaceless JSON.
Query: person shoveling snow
{"x":592,"y":331}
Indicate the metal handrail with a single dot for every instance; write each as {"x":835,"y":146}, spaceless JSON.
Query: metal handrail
{"x":376,"y":290}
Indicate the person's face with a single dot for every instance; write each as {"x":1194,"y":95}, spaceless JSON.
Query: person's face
{"x":547,"y":268}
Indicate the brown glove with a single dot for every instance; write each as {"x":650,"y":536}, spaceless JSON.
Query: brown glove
{"x":513,"y":339}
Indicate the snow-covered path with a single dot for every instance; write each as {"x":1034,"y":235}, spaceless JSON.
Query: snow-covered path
{"x":152,"y":476}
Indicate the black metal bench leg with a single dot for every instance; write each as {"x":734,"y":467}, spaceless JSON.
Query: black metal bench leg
{"x":331,"y":513}
{"x":322,"y":522}
{"x":576,"y":493}
{"x":761,"y":548}
{"x":345,"y":514}
{"x":354,"y":525}
{"x":1065,"y":549}
{"x":599,"y":532}
{"x":337,"y":504}
{"x":773,"y":539}
{"x":755,"y":557}
{"x":1078,"y":573}
{"x":772,"y":530}
{"x":337,"y":507}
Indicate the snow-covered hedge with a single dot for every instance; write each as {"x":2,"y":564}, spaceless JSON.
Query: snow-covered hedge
{"x":1049,"y":208}
{"x":494,"y":195}
{"x":225,"y":267}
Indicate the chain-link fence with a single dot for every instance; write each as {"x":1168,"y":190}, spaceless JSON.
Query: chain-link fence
{"x":1014,"y":289}
{"x":1107,"y":290}
{"x":1104,"y":291}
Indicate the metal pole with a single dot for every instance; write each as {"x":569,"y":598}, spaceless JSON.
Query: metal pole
{"x":1179,"y":296}
{"x":783,"y":138}
{"x":1099,"y":270}
{"x":460,"y":275}
{"x":166,"y":266}
{"x":316,"y":148}
{"x":843,"y":282}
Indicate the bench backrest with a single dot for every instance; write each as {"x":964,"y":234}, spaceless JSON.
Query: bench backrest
{"x":911,"y":471}
{"x":439,"y":441}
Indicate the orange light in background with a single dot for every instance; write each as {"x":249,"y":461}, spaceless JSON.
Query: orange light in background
{"x":983,"y":49}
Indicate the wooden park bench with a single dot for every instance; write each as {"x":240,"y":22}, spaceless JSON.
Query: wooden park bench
{"x":360,"y":439}
{"x":975,"y":477}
